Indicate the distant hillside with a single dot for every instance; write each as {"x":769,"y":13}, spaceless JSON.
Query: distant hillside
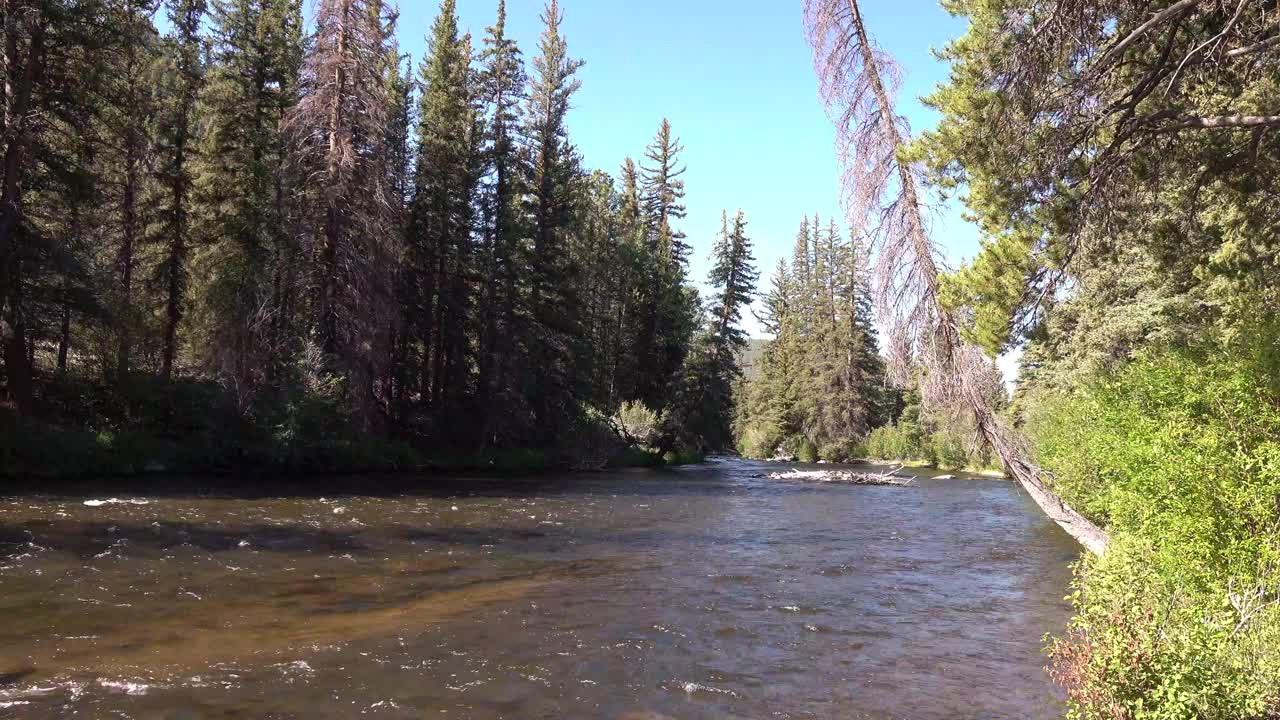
{"x":749,"y":361}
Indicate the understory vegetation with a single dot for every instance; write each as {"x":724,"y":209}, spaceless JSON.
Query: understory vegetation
{"x":1178,"y":453}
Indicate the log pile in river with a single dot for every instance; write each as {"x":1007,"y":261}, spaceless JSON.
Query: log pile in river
{"x":841,"y":477}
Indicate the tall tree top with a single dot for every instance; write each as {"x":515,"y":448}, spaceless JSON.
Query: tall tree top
{"x":663,"y":193}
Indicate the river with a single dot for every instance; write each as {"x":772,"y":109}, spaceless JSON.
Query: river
{"x":702,"y":592}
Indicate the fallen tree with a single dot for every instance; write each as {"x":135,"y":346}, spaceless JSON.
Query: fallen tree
{"x":880,"y":194}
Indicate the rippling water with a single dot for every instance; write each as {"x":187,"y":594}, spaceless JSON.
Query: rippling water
{"x":698,"y":593}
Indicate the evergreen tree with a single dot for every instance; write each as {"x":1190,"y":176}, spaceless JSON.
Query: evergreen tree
{"x":668,"y":304}
{"x":53,"y":79}
{"x":340,"y":126}
{"x":663,"y":196}
{"x":123,"y":164}
{"x":501,"y":87}
{"x":553,"y":341}
{"x":703,"y":409}
{"x":181,"y":74}
{"x":440,"y":237}
{"x":243,"y":190}
{"x":821,"y":381}
{"x":633,"y":317}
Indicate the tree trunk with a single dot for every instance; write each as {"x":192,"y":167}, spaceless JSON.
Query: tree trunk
{"x":23,"y":66}
{"x":64,"y":337}
{"x":1011,"y":453}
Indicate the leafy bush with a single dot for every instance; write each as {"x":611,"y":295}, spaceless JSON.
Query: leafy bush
{"x":676,"y":458}
{"x":843,"y":452}
{"x":639,"y":424}
{"x":760,"y":440}
{"x":1179,"y":454}
{"x":807,"y":451}
{"x":946,"y":450}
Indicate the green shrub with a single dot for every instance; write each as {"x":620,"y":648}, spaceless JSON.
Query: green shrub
{"x":946,"y":450}
{"x":807,"y":451}
{"x":759,"y":440}
{"x":638,"y":423}
{"x":676,"y":458}
{"x":1180,"y":455}
{"x":636,"y":457}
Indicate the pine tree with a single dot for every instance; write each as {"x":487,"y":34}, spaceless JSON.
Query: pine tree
{"x":663,"y":196}
{"x":53,"y":76}
{"x":501,"y":88}
{"x":632,"y":317}
{"x":554,"y":337}
{"x":340,"y":126}
{"x":667,"y":323}
{"x":440,"y":235}
{"x":123,"y":165}
{"x":243,"y":190}
{"x":181,"y":74}
{"x":822,"y":380}
{"x":704,"y":405}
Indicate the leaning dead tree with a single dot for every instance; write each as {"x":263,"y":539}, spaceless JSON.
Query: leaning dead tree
{"x":858,"y":82}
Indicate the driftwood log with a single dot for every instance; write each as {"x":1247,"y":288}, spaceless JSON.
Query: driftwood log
{"x":841,"y":477}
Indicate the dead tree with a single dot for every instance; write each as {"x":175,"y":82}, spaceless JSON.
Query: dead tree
{"x":881,"y":193}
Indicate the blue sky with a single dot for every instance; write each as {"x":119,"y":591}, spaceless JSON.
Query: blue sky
{"x":736,"y":80}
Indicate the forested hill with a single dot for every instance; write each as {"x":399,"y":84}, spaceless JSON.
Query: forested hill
{"x":259,"y":240}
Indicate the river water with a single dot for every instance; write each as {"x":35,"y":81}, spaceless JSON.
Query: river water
{"x":696,"y":593}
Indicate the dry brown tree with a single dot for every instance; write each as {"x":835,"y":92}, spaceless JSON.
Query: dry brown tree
{"x":882,"y":196}
{"x":339,"y":129}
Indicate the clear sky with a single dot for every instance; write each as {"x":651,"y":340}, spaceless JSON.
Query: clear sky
{"x":736,"y":81}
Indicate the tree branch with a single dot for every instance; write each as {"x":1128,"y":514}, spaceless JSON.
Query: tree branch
{"x":1260,"y":45}
{"x":1160,"y":18}
{"x":1223,"y":122}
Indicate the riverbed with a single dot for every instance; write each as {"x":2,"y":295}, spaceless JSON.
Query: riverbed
{"x":702,"y":592}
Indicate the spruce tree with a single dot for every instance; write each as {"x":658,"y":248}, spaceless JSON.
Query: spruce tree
{"x":663,"y":196}
{"x":440,"y":234}
{"x":49,"y":194}
{"x":704,"y":405}
{"x":553,"y":340}
{"x":501,"y":90}
{"x":340,"y":128}
{"x":821,"y":380}
{"x":181,"y":74}
{"x":123,"y":165}
{"x":243,"y":190}
{"x":668,"y":304}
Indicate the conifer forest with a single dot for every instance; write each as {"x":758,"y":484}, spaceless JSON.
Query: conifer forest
{"x":256,"y":238}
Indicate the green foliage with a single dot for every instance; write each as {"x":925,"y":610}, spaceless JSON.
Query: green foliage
{"x":676,"y":458}
{"x":639,"y":423}
{"x":1180,"y":454}
{"x":636,"y":457}
{"x":807,"y":451}
{"x":821,"y":380}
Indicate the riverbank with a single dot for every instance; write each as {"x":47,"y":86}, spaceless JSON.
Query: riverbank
{"x":146,"y":426}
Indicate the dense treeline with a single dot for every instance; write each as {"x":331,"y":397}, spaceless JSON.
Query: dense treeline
{"x":280,"y":241}
{"x":1121,"y":160}
{"x":821,"y":386}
